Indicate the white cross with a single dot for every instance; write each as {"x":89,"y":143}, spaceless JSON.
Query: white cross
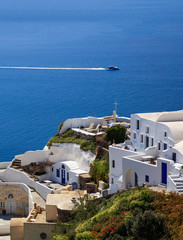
{"x":116,"y":106}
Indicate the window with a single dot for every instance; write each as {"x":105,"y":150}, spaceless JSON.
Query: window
{"x":165,"y":146}
{"x":165,"y":134}
{"x":159,"y":146}
{"x":112,"y":180}
{"x":10,"y":196}
{"x":152,"y":141}
{"x":2,"y":204}
{"x":58,"y":172}
{"x":19,"y":205}
{"x":147,"y":129}
{"x":67,"y":176}
{"x":134,"y":135}
{"x":52,"y":169}
{"x":141,"y":138}
{"x":146,"y":178}
{"x":113,"y":163}
{"x":138,"y":124}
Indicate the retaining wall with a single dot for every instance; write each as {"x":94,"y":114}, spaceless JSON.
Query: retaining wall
{"x":4,"y":165}
{"x":12,"y":175}
{"x":80,"y":122}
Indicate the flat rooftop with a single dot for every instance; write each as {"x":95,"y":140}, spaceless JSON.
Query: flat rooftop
{"x":64,"y":201}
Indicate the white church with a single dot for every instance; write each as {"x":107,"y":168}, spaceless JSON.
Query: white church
{"x":153,"y":155}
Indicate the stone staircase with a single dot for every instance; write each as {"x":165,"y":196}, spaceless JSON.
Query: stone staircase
{"x":16,"y":164}
{"x":178,"y":180}
{"x":179,"y":184}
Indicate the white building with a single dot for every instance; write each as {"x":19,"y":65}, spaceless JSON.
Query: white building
{"x":66,"y":172}
{"x":153,"y":156}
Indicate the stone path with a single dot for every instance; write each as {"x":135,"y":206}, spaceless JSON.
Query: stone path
{"x":5,"y":225}
{"x":158,"y":189}
{"x":37,"y":198}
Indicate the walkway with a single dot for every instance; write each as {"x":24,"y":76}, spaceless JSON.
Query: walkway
{"x":158,"y":189}
{"x":37,"y":198}
{"x":5,"y":225}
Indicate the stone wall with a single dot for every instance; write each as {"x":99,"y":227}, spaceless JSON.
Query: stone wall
{"x":83,"y":179}
{"x":84,"y":136}
{"x":33,"y":231}
{"x":91,"y":187}
{"x":14,"y":198}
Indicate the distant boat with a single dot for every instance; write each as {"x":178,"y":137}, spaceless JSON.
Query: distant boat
{"x":111,"y":68}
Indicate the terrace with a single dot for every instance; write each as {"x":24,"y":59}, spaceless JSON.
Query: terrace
{"x":145,"y":159}
{"x":127,"y":145}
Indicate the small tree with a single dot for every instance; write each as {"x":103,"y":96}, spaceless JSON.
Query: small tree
{"x":116,"y":134}
{"x":146,"y":226}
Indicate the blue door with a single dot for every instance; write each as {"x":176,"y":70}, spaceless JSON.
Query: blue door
{"x":164,"y":173}
{"x":63,"y":174}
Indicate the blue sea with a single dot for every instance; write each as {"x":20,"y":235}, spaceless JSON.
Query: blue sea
{"x":144,"y":38}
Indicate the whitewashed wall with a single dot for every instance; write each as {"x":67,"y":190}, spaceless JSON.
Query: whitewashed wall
{"x":117,"y":155}
{"x":156,"y":131}
{"x":34,"y":156}
{"x":73,"y":177}
{"x":12,"y":175}
{"x":168,"y":154}
{"x":70,"y":151}
{"x":160,"y":130}
{"x":44,"y":176}
{"x":123,"y":119}
{"x":171,"y":116}
{"x":4,"y":165}
{"x":142,"y":130}
{"x":142,"y":169}
{"x":115,"y":173}
{"x":171,"y":186}
{"x":78,"y":122}
{"x":63,"y":152}
{"x":152,"y":151}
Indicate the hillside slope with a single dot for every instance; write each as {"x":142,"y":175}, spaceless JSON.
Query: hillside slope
{"x":138,"y":213}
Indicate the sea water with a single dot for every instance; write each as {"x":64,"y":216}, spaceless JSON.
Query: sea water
{"x":143,"y":38}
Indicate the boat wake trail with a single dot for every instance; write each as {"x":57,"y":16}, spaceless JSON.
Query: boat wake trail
{"x":51,"y":68}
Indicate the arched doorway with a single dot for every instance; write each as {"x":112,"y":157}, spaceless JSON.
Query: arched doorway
{"x":131,"y":178}
{"x":63,"y":174}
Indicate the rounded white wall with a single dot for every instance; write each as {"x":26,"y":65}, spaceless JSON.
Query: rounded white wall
{"x":70,"y":151}
{"x":78,"y":122}
{"x":34,"y":156}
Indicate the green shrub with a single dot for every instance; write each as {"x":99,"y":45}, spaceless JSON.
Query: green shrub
{"x":84,"y":236}
{"x":116,"y":237}
{"x":70,"y":137}
{"x":59,"y":237}
{"x":68,"y":133}
{"x":60,"y":126}
{"x":100,"y":169}
{"x":147,"y":226}
{"x":116,"y":134}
